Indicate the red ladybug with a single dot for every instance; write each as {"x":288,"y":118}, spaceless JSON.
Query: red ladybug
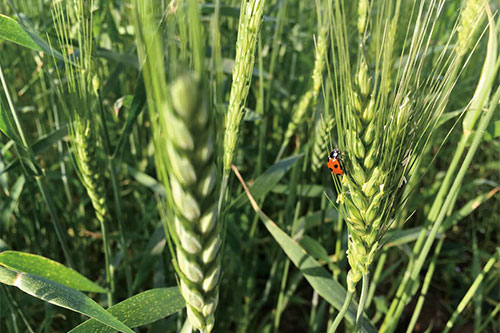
{"x":334,"y":163}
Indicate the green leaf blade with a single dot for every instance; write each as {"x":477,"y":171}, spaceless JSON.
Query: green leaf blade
{"x":138,"y":102}
{"x":12,"y":31}
{"x":138,"y":310}
{"x":49,"y":269}
{"x":319,"y":279}
{"x":60,"y":295}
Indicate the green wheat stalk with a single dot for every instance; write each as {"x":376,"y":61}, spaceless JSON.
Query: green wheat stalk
{"x":185,"y":154}
{"x":80,"y":102}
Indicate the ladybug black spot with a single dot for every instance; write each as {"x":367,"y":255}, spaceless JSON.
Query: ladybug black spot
{"x":335,"y":166}
{"x":331,"y":169}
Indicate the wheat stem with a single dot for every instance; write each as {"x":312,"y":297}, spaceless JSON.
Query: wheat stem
{"x":362,"y":301}
{"x":470,"y":293}
{"x":425,"y":287}
{"x":342,"y":312}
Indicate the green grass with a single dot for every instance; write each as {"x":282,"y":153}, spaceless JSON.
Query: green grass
{"x":124,"y":123}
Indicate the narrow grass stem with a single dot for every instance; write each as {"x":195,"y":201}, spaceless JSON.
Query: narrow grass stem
{"x":64,"y":174}
{"x":362,"y":301}
{"x":279,"y":305}
{"x":54,"y":218}
{"x":476,"y":270}
{"x":12,"y":304}
{"x":470,"y":293}
{"x":376,"y":277}
{"x":223,"y":191}
{"x":107,"y":262}
{"x":40,"y":178}
{"x":342,"y":312}
{"x":119,"y":217}
{"x":19,"y":126}
{"x":314,"y":313}
{"x":492,"y":316}
{"x":116,"y":197}
{"x":425,"y":287}
{"x":286,"y":270}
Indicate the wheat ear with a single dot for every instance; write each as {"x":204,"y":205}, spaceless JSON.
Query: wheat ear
{"x":251,"y":12}
{"x":81,"y":111}
{"x":192,"y":179}
{"x":184,"y":140}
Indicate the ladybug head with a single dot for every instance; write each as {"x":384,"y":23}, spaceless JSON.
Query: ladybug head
{"x":335,"y":153}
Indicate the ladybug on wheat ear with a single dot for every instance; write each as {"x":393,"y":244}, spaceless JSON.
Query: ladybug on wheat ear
{"x":334,"y":162}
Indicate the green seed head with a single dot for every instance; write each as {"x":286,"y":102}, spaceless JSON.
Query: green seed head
{"x":470,"y":19}
{"x":191,"y":181}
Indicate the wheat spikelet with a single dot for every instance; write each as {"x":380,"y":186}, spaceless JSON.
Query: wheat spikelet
{"x":470,"y":19}
{"x":363,"y":6}
{"x":84,"y":141}
{"x":322,"y":131}
{"x":251,"y":12}
{"x":192,"y":179}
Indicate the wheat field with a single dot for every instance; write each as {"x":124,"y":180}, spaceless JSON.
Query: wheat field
{"x":249,"y":166}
